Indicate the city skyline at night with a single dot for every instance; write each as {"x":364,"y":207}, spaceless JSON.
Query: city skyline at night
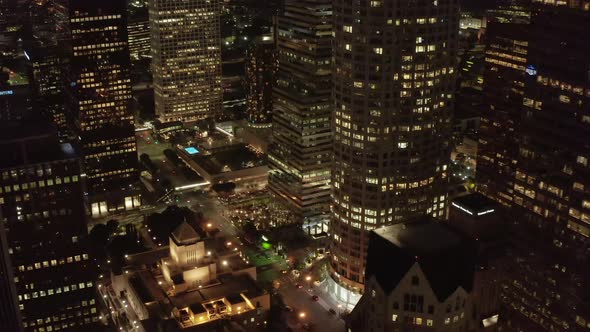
{"x":296,"y":165}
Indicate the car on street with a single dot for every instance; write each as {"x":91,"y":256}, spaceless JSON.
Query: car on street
{"x":315,"y":298}
{"x":299,"y":286}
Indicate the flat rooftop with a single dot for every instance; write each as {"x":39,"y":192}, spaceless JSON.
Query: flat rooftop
{"x":475,"y":203}
{"x":25,"y":145}
{"x":231,"y":158}
{"x":421,"y":236}
{"x":446,"y":258}
{"x":146,"y":287}
{"x":229,"y":286}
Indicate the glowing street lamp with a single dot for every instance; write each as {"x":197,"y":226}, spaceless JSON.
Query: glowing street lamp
{"x":308,"y":279}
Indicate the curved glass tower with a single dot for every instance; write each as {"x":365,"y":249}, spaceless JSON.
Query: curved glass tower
{"x":393,"y":85}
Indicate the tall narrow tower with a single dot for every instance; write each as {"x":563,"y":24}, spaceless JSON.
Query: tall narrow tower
{"x":394,"y":78}
{"x":300,"y":155}
{"x":98,"y":89}
{"x":186,"y":58}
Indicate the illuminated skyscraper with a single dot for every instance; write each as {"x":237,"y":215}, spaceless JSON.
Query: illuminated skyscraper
{"x":186,"y":58}
{"x":300,"y":155}
{"x":394,"y":79}
{"x":99,"y":93}
{"x":43,"y":232}
{"x":138,"y":27}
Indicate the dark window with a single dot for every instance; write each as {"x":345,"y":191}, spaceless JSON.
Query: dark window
{"x":413,"y":303}
{"x":430,"y":309}
{"x":395,"y":305}
{"x":415,"y":281}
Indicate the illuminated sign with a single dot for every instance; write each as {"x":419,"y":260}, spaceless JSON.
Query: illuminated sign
{"x":531,"y":70}
{"x":27,"y":56}
{"x":191,"y":150}
{"x":6,"y":93}
{"x":461,"y":208}
{"x":485,"y":212}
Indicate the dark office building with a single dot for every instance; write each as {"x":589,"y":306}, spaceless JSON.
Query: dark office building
{"x":9,"y":313}
{"x":45,"y":72}
{"x":99,"y":94}
{"x":261,"y":67}
{"x":505,"y":68}
{"x":547,"y":183}
{"x":43,"y":230}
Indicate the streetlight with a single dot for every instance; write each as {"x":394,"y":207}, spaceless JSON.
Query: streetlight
{"x":308,"y":279}
{"x":302,"y":315}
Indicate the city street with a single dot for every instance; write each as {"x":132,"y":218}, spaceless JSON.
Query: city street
{"x":315,"y":313}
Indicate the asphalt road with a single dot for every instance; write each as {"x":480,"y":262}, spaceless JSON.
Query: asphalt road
{"x":316,"y":314}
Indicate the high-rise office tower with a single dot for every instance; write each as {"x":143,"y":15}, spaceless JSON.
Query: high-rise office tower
{"x":394,"y":78}
{"x":186,"y":58}
{"x":99,"y":93}
{"x":547,"y":189}
{"x":42,"y":53}
{"x":504,"y":74}
{"x":138,"y":28}
{"x":46,"y":78}
{"x":261,"y":67}
{"x":300,"y":155}
{"x":43,"y":230}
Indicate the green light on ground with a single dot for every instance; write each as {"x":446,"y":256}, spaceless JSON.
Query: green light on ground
{"x":265,"y":245}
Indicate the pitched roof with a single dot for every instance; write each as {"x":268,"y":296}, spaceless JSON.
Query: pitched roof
{"x":185,"y":234}
{"x":446,"y":257}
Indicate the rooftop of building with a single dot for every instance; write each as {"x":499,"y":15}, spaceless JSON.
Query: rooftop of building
{"x":420,"y":237}
{"x":475,"y":204}
{"x":230,"y":158}
{"x":445,"y":256}
{"x":33,"y":143}
{"x":185,"y":234}
{"x":228,"y":286}
{"x":146,"y":287}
